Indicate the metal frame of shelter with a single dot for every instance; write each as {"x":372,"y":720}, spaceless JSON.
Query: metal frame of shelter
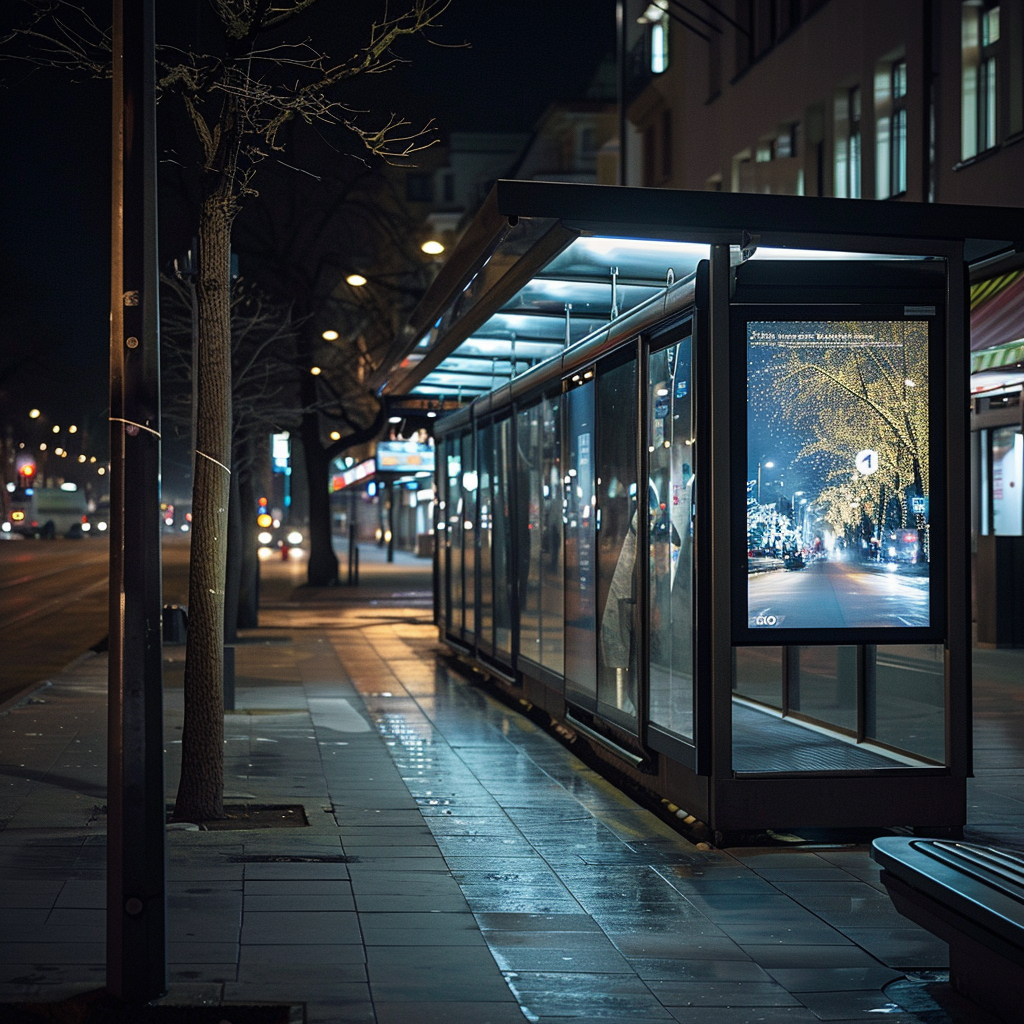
{"x":555,"y":287}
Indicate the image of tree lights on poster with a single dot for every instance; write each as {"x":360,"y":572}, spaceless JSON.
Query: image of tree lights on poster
{"x":837,"y":475}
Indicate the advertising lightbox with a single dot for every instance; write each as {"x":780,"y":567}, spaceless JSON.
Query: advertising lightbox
{"x":405,"y":457}
{"x":838,"y":474}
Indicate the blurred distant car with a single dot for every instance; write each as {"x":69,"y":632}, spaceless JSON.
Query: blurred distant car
{"x":46,"y":512}
{"x":280,"y":541}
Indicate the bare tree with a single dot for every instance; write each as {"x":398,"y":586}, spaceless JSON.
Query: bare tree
{"x":259,"y":72}
{"x":301,"y":241}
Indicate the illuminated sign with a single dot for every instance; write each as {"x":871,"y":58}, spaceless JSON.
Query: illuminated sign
{"x":837,"y":474}
{"x":404,"y":457}
{"x":348,"y":477}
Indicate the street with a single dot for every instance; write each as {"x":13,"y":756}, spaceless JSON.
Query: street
{"x":53,"y":603}
{"x":834,"y":595}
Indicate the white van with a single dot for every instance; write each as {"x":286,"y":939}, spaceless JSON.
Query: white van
{"x":46,"y":512}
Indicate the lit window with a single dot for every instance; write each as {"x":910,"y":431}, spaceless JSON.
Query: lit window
{"x":979,"y":41}
{"x":891,"y":129}
{"x":656,"y":18}
{"x":847,"y":143}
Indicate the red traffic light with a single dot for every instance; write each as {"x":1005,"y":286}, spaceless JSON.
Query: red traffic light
{"x":26,"y":469}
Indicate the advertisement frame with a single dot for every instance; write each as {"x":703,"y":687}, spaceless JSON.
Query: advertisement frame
{"x":935,"y":631}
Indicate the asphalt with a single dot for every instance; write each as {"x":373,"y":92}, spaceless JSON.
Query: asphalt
{"x":459,"y":865}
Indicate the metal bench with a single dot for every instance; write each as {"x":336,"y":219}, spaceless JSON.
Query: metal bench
{"x":972,"y":897}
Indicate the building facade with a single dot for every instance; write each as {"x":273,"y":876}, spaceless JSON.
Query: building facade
{"x":922,"y":101}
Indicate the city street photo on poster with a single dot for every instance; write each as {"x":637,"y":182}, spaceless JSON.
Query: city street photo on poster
{"x":837,"y":525}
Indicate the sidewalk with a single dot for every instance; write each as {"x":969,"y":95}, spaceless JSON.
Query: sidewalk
{"x":460,"y":865}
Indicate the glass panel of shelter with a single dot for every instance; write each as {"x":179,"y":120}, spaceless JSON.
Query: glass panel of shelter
{"x":539,"y":579}
{"x":671,"y":489}
{"x":579,"y":517}
{"x":485,"y":515}
{"x":454,"y":532}
{"x":469,"y":536}
{"x":501,"y":534}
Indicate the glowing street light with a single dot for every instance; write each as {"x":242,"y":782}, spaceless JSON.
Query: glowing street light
{"x":432,"y":247}
{"x":330,"y":335}
{"x":355,"y":280}
{"x":315,"y":370}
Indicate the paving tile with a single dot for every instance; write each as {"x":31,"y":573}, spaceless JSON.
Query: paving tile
{"x":862,"y":1004}
{"x":585,"y":996}
{"x":907,"y":948}
{"x":834,"y":979}
{"x":790,"y":955}
{"x":297,"y":887}
{"x":678,"y":946}
{"x":562,"y":960}
{"x":721,"y":993}
{"x":299,"y":902}
{"x":447,"y":1012}
{"x":202,"y":972}
{"x":538,"y":922}
{"x":800,"y":932}
{"x":564,"y":940}
{"x":300,"y":927}
{"x":62,"y":953}
{"x":428,"y":984}
{"x":752,"y":1015}
{"x":295,"y":872}
{"x":302,"y":955}
{"x":653,"y":969}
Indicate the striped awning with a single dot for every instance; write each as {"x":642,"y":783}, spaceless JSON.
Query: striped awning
{"x":998,"y":357}
{"x":997,"y":314}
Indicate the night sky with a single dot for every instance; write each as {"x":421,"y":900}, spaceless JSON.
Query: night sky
{"x":54,"y":195}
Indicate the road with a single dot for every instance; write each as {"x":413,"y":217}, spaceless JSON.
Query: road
{"x":53,"y":603}
{"x":834,"y":595}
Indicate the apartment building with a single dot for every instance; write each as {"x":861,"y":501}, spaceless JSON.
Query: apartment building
{"x":916,"y":100}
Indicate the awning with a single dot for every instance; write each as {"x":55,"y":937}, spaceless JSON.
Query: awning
{"x":545,"y":264}
{"x":997,"y":357}
{"x":997,"y":314}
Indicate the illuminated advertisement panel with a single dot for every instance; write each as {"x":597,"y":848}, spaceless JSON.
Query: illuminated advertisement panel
{"x":837,"y":495}
{"x":404,"y":457}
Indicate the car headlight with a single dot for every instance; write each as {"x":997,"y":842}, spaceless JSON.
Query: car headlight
{"x":294,"y":537}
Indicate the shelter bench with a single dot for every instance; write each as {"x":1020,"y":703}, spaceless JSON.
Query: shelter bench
{"x":972,"y":897}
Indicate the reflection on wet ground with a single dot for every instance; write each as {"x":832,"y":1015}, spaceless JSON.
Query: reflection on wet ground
{"x":595,"y":909}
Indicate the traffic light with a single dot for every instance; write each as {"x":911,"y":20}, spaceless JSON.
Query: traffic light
{"x":26,"y":467}
{"x":264,"y":520}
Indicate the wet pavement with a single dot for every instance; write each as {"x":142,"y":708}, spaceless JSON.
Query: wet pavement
{"x":460,"y":864}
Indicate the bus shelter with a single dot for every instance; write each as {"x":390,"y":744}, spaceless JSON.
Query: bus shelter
{"x":706,"y":502}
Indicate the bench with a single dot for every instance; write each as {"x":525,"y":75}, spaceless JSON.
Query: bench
{"x":972,"y":897}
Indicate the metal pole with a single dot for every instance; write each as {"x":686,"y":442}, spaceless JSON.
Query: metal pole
{"x":391,"y":521}
{"x":621,"y":54}
{"x":136,"y":940}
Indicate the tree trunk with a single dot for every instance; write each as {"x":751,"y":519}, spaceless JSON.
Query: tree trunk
{"x":201,"y":789}
{"x":322,"y":567}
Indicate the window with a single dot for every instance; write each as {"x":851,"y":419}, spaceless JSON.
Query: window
{"x":979,"y":41}
{"x":891,"y":129}
{"x":898,"y":151}
{"x":847,"y":144}
{"x":656,"y":19}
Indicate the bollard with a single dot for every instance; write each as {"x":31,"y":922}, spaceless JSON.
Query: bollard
{"x":175,"y":623}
